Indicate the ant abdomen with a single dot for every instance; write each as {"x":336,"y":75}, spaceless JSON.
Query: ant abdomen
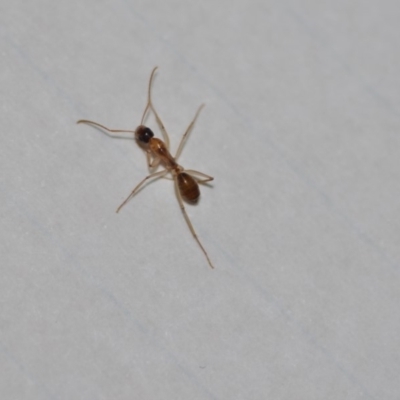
{"x":188,"y":187}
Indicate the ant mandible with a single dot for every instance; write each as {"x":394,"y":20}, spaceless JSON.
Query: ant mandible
{"x":158,"y":152}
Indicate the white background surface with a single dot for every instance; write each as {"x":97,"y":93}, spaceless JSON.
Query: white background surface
{"x":301,"y":132}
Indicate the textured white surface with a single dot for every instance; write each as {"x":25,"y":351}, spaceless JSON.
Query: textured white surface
{"x":301,"y":132}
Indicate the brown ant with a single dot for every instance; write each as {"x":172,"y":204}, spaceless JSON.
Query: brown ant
{"x":158,"y":152}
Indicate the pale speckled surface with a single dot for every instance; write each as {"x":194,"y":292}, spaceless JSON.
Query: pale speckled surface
{"x":301,"y":131}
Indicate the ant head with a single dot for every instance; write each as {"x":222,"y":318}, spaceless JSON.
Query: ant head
{"x":143,"y":134}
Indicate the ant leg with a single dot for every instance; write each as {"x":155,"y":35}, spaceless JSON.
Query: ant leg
{"x":152,"y":164}
{"x":150,"y":105}
{"x":149,"y":160}
{"x":155,"y":175}
{"x":199,"y":176}
{"x":189,"y":128}
{"x":148,"y":94}
{"x":86,"y":121}
{"x":180,"y":201}
{"x":161,"y":126}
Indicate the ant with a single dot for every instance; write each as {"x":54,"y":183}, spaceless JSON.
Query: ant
{"x":158,"y":152}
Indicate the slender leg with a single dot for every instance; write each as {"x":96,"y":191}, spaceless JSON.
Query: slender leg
{"x":148,"y":94}
{"x":199,"y":175}
{"x":152,"y":163}
{"x":161,"y":125}
{"x":150,"y":105}
{"x":180,"y":201}
{"x":86,"y":121}
{"x":189,"y":128}
{"x":149,"y":160}
{"x":155,"y":175}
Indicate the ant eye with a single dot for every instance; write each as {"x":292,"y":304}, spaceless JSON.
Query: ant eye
{"x":143,"y":134}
